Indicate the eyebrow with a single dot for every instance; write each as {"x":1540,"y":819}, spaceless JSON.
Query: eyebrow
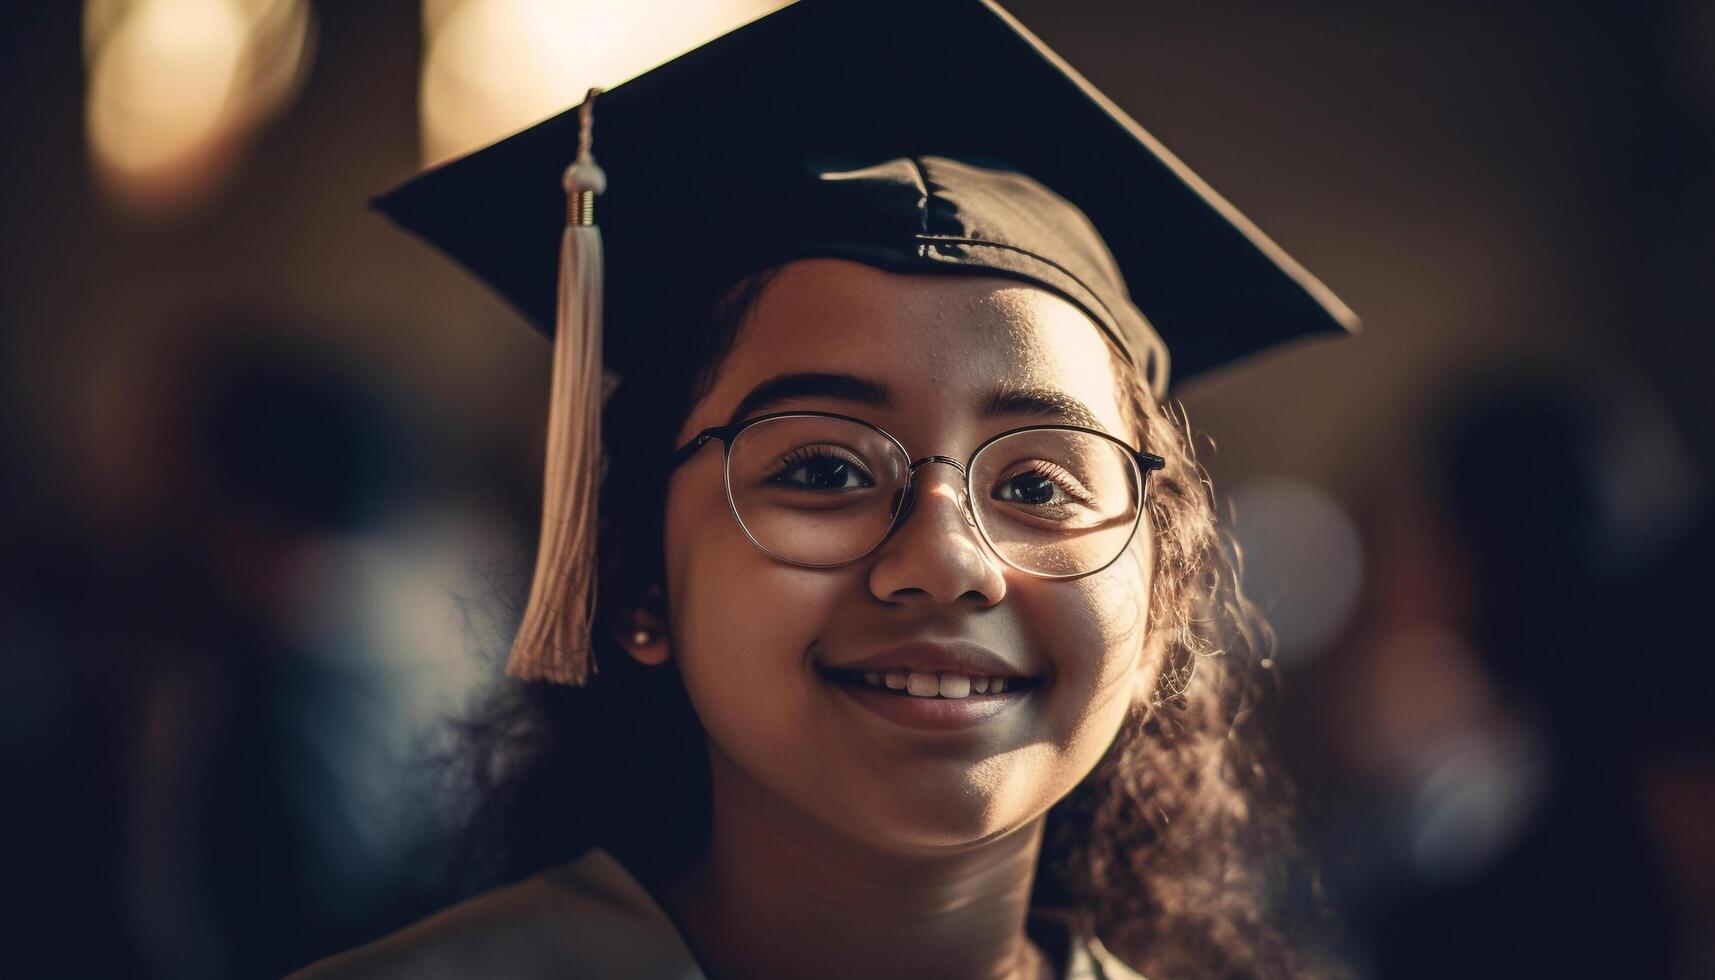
{"x":1006,"y":398}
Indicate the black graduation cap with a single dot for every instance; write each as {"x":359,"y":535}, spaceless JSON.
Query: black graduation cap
{"x":917,"y":135}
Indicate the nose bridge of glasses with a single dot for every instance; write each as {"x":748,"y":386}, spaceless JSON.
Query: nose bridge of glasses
{"x":963,"y":497}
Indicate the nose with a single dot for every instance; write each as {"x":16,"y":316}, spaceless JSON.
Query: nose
{"x":935,"y":548}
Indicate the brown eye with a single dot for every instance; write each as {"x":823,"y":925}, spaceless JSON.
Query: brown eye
{"x":822,"y":470}
{"x":1042,"y":485}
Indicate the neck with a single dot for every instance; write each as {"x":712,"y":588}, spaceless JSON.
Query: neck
{"x":776,"y":894}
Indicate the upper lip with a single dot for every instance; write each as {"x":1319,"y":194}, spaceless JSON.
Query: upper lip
{"x":952,"y":657}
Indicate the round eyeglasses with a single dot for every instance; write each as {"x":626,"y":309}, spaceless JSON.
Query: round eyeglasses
{"x":819,"y":490}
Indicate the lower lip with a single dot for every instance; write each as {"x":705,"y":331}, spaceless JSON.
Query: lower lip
{"x":933,"y":714}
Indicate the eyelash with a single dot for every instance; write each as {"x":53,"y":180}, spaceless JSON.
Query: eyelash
{"x":1069,"y":486}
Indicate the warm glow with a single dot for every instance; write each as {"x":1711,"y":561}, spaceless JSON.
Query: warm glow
{"x":145,"y":116}
{"x":176,"y":87}
{"x":496,"y":66}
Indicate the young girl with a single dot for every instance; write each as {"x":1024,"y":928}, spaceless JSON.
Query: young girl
{"x":915,"y":649}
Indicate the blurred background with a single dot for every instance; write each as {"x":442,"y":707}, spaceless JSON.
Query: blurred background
{"x":270,"y":467}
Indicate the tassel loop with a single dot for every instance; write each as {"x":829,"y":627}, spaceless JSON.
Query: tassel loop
{"x":584,"y":179}
{"x":554,"y":639}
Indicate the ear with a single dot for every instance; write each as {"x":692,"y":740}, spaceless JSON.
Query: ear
{"x":643,"y":633}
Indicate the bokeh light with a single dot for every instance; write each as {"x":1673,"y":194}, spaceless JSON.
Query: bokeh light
{"x":495,"y":66}
{"x":1303,"y":561}
{"x":177,"y":87}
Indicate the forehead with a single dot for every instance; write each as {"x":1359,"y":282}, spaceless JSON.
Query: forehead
{"x":939,"y":343}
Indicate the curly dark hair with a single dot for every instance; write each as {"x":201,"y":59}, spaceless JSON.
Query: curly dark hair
{"x":1179,"y":850}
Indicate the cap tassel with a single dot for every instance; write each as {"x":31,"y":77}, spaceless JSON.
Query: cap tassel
{"x":554,"y":638}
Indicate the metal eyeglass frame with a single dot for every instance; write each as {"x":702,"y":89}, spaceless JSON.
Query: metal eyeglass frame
{"x":1145,"y":464}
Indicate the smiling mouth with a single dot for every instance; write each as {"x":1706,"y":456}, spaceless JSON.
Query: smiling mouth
{"x":931,"y":686}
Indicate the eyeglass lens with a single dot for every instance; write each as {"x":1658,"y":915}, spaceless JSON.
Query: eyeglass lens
{"x":822,"y":491}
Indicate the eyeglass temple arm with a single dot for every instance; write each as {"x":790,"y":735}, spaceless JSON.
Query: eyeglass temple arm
{"x":722,"y":432}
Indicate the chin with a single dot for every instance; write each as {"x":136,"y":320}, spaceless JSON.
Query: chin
{"x":945,"y":821}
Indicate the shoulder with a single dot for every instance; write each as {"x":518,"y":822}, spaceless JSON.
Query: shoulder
{"x":507,"y":928}
{"x":587,"y":918}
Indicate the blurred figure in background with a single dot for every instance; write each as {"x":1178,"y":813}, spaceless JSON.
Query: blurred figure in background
{"x":264,"y":633}
{"x":1529,"y":712}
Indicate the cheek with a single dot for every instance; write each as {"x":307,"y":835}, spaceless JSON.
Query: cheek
{"x":740,"y":622}
{"x":1096,"y":633}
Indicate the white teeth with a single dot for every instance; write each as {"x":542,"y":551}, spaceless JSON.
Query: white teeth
{"x":934,"y":684}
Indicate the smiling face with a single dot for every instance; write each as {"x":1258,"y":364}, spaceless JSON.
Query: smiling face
{"x":751,"y":633}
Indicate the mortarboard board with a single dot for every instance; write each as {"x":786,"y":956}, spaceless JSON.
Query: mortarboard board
{"x":930,"y":135}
